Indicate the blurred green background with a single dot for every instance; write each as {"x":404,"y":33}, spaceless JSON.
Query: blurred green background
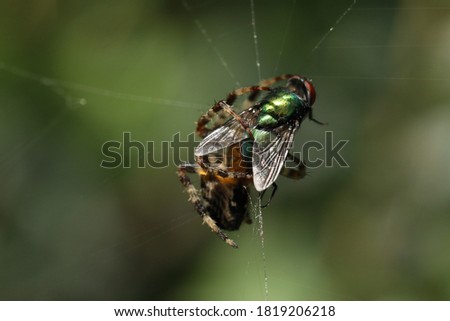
{"x":75,"y":75}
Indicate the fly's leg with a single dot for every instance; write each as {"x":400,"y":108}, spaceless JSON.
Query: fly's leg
{"x":310,"y":116}
{"x":197,"y":200}
{"x":261,"y":195}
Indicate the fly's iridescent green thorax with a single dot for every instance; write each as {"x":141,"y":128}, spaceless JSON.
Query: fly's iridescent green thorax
{"x":278,"y":107}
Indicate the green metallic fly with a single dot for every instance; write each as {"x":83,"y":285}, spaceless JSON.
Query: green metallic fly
{"x":252,"y":146}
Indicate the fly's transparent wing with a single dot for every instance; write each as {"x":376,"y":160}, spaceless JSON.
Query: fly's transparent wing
{"x":228,"y":134}
{"x":270,"y":154}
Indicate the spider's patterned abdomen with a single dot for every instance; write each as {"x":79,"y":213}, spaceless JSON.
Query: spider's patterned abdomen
{"x":226,"y":197}
{"x":226,"y":203}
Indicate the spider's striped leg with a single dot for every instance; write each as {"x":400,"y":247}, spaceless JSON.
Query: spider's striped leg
{"x":220,"y":117}
{"x":229,"y":174}
{"x":197,"y":200}
{"x":271,"y":81}
{"x":298,"y":171}
{"x":224,"y":106}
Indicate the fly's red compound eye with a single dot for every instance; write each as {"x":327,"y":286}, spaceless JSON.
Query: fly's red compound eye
{"x":311,"y":91}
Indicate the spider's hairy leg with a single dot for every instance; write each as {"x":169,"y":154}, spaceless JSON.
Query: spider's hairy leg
{"x":226,"y":106}
{"x":219,"y":117}
{"x":232,"y":96}
{"x":298,"y":171}
{"x":197,"y":200}
{"x":271,"y":81}
{"x":227,"y":174}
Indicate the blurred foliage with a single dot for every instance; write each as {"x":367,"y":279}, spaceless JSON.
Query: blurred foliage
{"x":75,"y":75}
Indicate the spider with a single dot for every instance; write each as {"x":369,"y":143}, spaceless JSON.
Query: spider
{"x":249,"y":147}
